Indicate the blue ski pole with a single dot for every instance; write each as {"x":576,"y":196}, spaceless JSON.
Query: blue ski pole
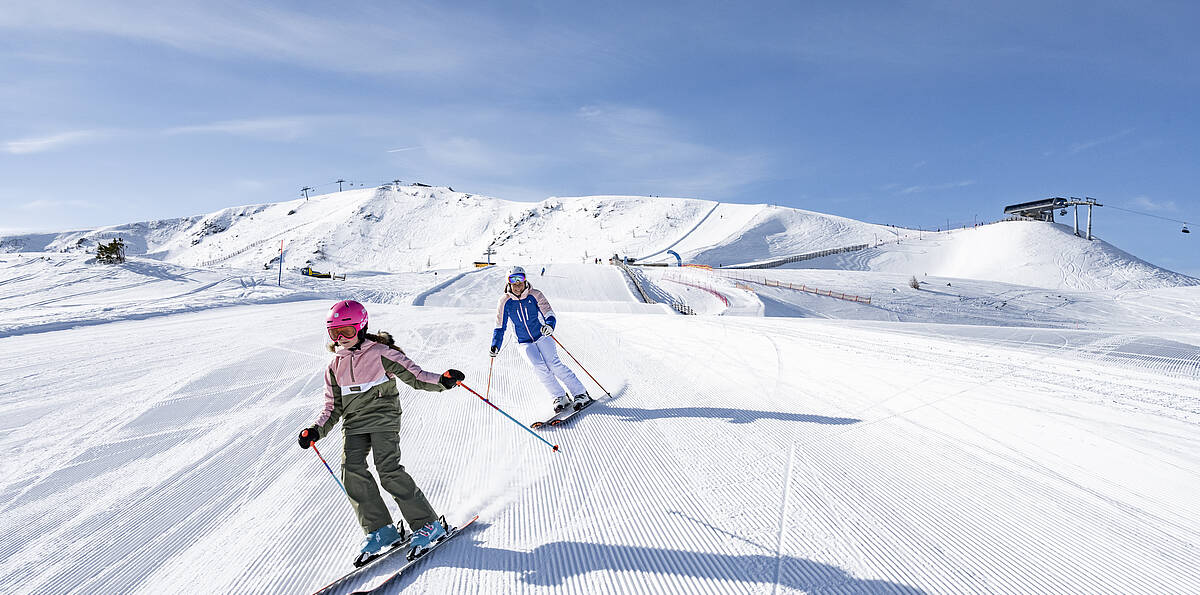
{"x":484,"y":399}
{"x":339,"y":482}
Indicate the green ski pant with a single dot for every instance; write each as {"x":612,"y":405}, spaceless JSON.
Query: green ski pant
{"x":364,"y":492}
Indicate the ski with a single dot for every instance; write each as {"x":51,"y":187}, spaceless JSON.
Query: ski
{"x":449,"y":535}
{"x":402,"y":546}
{"x":562,"y":416}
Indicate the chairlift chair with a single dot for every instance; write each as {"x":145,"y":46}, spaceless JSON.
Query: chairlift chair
{"x":1185,"y":229}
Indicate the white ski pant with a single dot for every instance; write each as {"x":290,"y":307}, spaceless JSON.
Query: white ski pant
{"x":550,"y":370}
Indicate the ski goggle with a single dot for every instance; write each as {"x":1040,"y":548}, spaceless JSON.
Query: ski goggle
{"x":343,"y":332}
{"x":516,"y":278}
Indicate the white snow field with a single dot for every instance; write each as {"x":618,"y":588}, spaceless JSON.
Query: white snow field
{"x":1027,"y":421}
{"x":402,"y":229}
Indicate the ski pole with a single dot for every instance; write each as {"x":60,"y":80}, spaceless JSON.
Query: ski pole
{"x":484,"y":399}
{"x":339,"y":482}
{"x":489,"y":388}
{"x":581,"y":366}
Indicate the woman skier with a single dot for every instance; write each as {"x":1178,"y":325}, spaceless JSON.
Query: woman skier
{"x":533,"y":322}
{"x":361,"y":389}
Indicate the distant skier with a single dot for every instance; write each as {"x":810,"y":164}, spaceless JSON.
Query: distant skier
{"x":533,"y":322}
{"x":361,"y":388}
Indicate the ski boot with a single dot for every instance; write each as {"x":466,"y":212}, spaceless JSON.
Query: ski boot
{"x":375,"y":543}
{"x":581,"y":401}
{"x":561,"y":402}
{"x":424,"y":538}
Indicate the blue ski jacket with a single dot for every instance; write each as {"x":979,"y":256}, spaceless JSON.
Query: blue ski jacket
{"x":523,"y":310}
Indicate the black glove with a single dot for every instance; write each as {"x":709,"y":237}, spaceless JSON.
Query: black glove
{"x":494,"y":350}
{"x":309,"y":435}
{"x":450,"y":378}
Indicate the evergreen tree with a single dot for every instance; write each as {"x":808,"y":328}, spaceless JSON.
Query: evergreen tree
{"x":111,"y":253}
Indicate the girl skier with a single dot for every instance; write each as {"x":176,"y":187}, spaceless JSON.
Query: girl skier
{"x":361,"y":389}
{"x":523,"y":305}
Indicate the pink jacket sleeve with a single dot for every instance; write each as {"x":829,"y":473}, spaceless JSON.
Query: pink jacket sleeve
{"x":398,"y":365}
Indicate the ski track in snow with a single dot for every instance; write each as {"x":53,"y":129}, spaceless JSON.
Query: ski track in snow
{"x":735,"y":455}
{"x":685,"y":235}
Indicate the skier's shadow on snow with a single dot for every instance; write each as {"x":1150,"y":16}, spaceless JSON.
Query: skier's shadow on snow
{"x":553,"y":564}
{"x":733,"y":416}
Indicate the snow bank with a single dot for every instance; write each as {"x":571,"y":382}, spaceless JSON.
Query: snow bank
{"x":1033,"y":254}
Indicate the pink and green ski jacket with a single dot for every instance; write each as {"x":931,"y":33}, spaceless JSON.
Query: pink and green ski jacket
{"x":361,"y":390}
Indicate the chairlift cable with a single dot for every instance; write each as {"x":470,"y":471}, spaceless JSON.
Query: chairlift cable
{"x":1149,"y":215}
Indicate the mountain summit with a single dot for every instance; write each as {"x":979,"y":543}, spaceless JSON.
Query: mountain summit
{"x":415,"y":228}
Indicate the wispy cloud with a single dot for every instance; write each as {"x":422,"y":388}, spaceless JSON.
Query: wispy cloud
{"x":481,"y":156}
{"x":51,"y":56}
{"x":374,"y":40}
{"x":936,"y":187}
{"x":647,"y":148}
{"x":52,"y":205}
{"x":250,"y":185}
{"x":49,"y":143}
{"x":269,"y":128}
{"x":279,"y":128}
{"x":1145,"y":202}
{"x":402,"y":149}
{"x":609,"y":148}
{"x":1092,"y":144}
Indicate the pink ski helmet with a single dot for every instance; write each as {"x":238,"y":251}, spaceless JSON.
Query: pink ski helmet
{"x":344,"y":316}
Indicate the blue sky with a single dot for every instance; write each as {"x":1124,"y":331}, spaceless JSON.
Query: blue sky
{"x":910,"y":113}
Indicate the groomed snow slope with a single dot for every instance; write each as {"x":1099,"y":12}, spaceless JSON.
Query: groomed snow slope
{"x":397,"y":229}
{"x":738,"y":455}
{"x":1029,"y":253}
{"x":947,"y":300}
{"x":779,"y":232}
{"x":420,"y":229}
{"x":51,"y":291}
{"x":402,"y":229}
{"x":569,"y":287}
{"x":1042,"y":437}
